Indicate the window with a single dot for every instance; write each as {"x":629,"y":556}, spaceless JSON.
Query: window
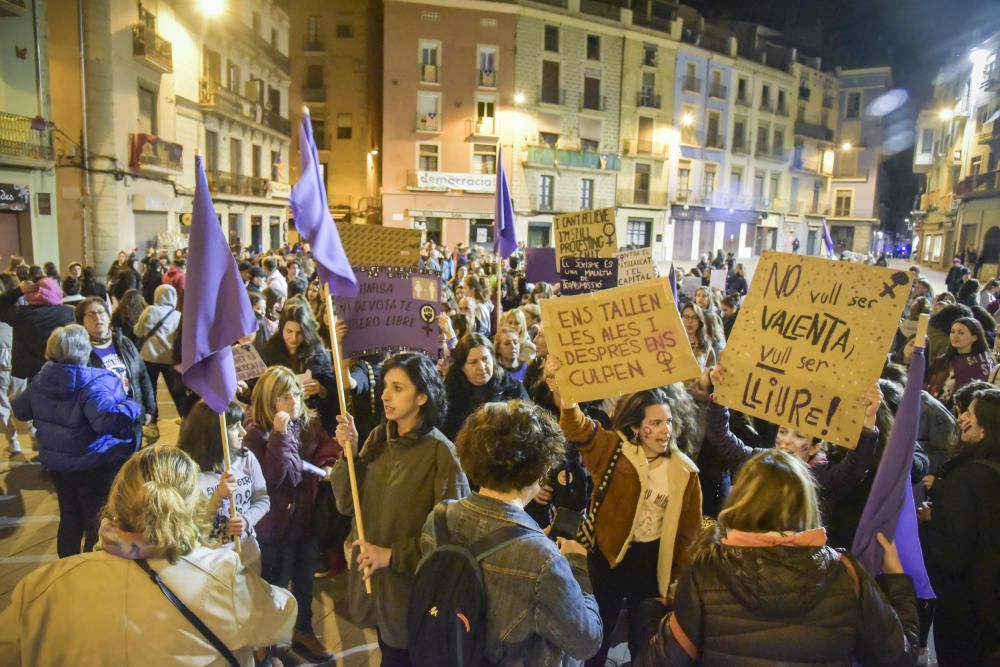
{"x":589,"y":145}
{"x":735,"y":182}
{"x":274,"y":37}
{"x":486,"y":115}
{"x":758,"y":185}
{"x":640,"y":183}
{"x":817,"y":192}
{"x":592,"y":91}
{"x":344,"y":29}
{"x":775,"y":185}
{"x":648,"y":87}
{"x":551,"y":93}
{"x":277,"y":172}
{"x":593,"y":47}
{"x":255,"y":165}
{"x":484,"y":159}
{"x":546,"y":185}
{"x":211,"y":64}
{"x":765,"y":97}
{"x":147,"y":111}
{"x":428,"y":116}
{"x":781,"y":101}
{"x":649,"y":55}
{"x":638,"y":232}
{"x":762,"y":135}
{"x":778,"y":144}
{"x":233,"y":77}
{"x":428,"y":157}
{"x":549,"y":139}
{"x":645,"y":142}
{"x":739,"y":135}
{"x":977,"y":166}
{"x":691,"y":82}
{"x":319,"y":133}
{"x":709,"y":185}
{"x":430,"y":53}
{"x":683,"y":181}
{"x":800,"y":115}
{"x":926,"y":140}
{"x":981,"y":115}
{"x":314,"y":76}
{"x":741,"y":90}
{"x":551,"y":42}
{"x":853,"y":108}
{"x":211,"y":150}
{"x":345,"y":126}
{"x":712,"y":138}
{"x":236,"y":156}
{"x":842,"y":203}
{"x":487,"y":66}
{"x":586,"y":194}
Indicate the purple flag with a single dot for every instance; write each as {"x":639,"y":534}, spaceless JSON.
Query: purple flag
{"x":503,"y":221}
{"x":313,"y":221}
{"x":673,"y":287}
{"x":889,"y":509}
{"x":827,"y":239}
{"x":217,"y":311}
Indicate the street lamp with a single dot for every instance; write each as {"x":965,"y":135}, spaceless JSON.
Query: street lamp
{"x":519,"y":98}
{"x":687,"y":119}
{"x":946,"y":114}
{"x":212,"y":8}
{"x":846,"y":146}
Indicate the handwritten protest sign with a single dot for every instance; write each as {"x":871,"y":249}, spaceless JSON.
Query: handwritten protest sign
{"x":395,"y":310}
{"x":580,"y":275}
{"x":617,"y":341}
{"x":586,"y":234}
{"x":248,"y":363}
{"x":810,"y":338}
{"x":690,"y":285}
{"x":540,"y":265}
{"x":375,"y":245}
{"x":718,"y":280}
{"x":634,"y":266}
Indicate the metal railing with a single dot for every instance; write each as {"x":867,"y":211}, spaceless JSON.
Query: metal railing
{"x":428,"y":122}
{"x":853,"y":174}
{"x":599,"y":8}
{"x":548,"y":156}
{"x":482,"y":127}
{"x":813,"y":131}
{"x":692,"y":84}
{"x":782,"y":109}
{"x":642,"y":197}
{"x":314,"y":94}
{"x":652,"y":22}
{"x":315,"y":46}
{"x":152,"y":49}
{"x":487,"y":79}
{"x":648,"y":99}
{"x":718,"y":90}
{"x":277,"y":122}
{"x":644,"y":147}
{"x":235,"y":184}
{"x":739,"y":145}
{"x":429,"y":73}
{"x":594,"y":102}
{"x":24,"y":137}
{"x":743,"y":101}
{"x":717,"y":141}
{"x":552,"y":96}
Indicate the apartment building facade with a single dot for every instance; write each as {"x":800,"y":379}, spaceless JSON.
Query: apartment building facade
{"x":171,"y":80}
{"x":28,"y":201}
{"x":958,"y":154}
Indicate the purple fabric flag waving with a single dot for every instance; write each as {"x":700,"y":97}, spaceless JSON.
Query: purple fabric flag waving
{"x":217,"y":311}
{"x":827,"y":239}
{"x":313,"y":221}
{"x":504,"y":232}
{"x":889,"y":509}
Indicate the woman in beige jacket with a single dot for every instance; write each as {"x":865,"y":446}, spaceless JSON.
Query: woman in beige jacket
{"x":101,"y":608}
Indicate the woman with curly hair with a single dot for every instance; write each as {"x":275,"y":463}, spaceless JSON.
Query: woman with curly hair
{"x":127,"y":313}
{"x":405,"y":458}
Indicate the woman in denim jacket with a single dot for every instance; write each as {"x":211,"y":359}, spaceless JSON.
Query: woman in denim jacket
{"x":541,"y":606}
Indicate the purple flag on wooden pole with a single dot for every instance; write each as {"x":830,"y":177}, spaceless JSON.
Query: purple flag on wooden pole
{"x":313,"y":220}
{"x":827,"y":239}
{"x":504,"y":232}
{"x":217,"y":311}
{"x":889,"y":509}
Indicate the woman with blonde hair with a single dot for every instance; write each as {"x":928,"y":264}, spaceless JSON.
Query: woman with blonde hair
{"x":102,"y":605}
{"x":295,"y":454}
{"x":765,"y":588}
{"x":515,"y":319}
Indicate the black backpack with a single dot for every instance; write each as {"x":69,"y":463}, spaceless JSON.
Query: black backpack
{"x":446,"y":618}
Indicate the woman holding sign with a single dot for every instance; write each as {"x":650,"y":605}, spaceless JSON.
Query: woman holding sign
{"x":646,"y":506}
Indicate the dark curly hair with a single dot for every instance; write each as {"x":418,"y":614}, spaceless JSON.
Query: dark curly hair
{"x":509,"y":446}
{"x":630,"y":409}
{"x":425,"y":377}
{"x":986,"y":406}
{"x":460,"y":355}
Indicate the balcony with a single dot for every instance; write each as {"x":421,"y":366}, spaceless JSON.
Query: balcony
{"x":718,"y":91}
{"x":717,"y":142}
{"x":223,"y":182}
{"x":644,"y":147}
{"x":776,"y":153}
{"x":594,"y":103}
{"x":277,"y":122}
{"x":550,"y":157}
{"x":813,"y":131}
{"x":566,"y":204}
{"x":487,"y":79}
{"x":316,"y":46}
{"x":648,"y":99}
{"x":765,"y":105}
{"x":24,"y":140}
{"x":986,"y":182}
{"x":12,"y":7}
{"x":652,"y":22}
{"x":689,"y":136}
{"x":743,"y":100}
{"x":805,"y":93}
{"x":990,"y":134}
{"x":650,"y":57}
{"x":827,"y":101}
{"x":429,"y":74}
{"x":991,"y":79}
{"x":639,"y":197}
{"x":602,"y":9}
{"x":150,"y":49}
{"x":214,"y":98}
{"x":552,"y":3}
{"x":740,"y":145}
{"x":246,"y":33}
{"x":153,"y":154}
{"x":782,"y":110}
{"x":314,"y":94}
{"x":428,"y":122}
{"x":692,"y":84}
{"x":552,"y":96}
{"x":481,"y":127}
{"x":683,"y":195}
{"x":850,"y":174}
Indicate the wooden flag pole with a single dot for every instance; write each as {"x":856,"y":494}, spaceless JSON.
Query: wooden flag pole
{"x":341,"y":396}
{"x":921,"y":338}
{"x":499,"y":288}
{"x":224,"y":432}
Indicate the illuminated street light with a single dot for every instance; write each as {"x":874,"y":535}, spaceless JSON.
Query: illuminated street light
{"x":846,"y":146}
{"x":212,"y":8}
{"x":519,"y":98}
{"x":687,"y":120}
{"x":946,"y":114}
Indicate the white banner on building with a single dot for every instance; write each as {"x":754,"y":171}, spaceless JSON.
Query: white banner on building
{"x":454,"y":181}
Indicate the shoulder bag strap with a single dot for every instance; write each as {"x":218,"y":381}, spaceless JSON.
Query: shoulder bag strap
{"x":498,"y":539}
{"x":602,"y":487}
{"x":156,"y":327}
{"x":189,"y":615}
{"x":441,"y":533}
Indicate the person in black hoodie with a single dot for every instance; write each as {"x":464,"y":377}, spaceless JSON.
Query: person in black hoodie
{"x":475,"y":378}
{"x":33,"y":323}
{"x":765,"y":588}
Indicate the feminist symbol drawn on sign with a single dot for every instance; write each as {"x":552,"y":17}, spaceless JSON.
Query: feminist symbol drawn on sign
{"x":899,"y":279}
{"x":427,"y":315}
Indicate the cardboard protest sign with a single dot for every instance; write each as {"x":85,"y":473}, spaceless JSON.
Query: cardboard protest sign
{"x":810,"y":338}
{"x":395,"y":310}
{"x":540,"y":265}
{"x":718,"y":280}
{"x":617,"y":341}
{"x":375,"y":245}
{"x":634,"y":266}
{"x":586,"y":234}
{"x":690,"y":285}
{"x":580,"y":275}
{"x":248,"y":363}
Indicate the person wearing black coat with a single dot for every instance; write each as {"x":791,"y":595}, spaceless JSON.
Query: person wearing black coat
{"x":765,"y":588}
{"x":474,"y":379}
{"x":961,"y":539}
{"x":33,"y":323}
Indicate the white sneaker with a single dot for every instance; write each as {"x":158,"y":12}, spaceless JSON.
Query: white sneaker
{"x":14,"y":447}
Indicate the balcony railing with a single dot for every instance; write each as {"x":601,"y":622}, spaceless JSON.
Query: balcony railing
{"x":314,"y":94}
{"x":987,"y":181}
{"x":428,"y":122}
{"x":566,"y":204}
{"x":151,"y":49}
{"x":12,"y":7}
{"x":739,"y":145}
{"x":552,"y":96}
{"x":552,"y":3}
{"x":991,"y":79}
{"x":25,"y":138}
{"x":603,"y":9}
{"x":648,"y":99}
{"x":481,"y":127}
{"x":213,"y":97}
{"x":717,"y":141}
{"x":548,"y":156}
{"x":277,"y":122}
{"x":264,"y":46}
{"x":743,"y":101}
{"x":683,"y":195}
{"x":765,"y":105}
{"x":805,"y":93}
{"x":652,"y":22}
{"x":990,"y":133}
{"x":692,"y":84}
{"x":487,"y":78}
{"x":718,"y":90}
{"x":850,"y":174}
{"x":316,"y":46}
{"x":235,"y":184}
{"x":827,"y":101}
{"x":429,"y":73}
{"x":782,"y":110}
{"x":594,"y":102}
{"x":813,"y":131}
{"x":154,"y":154}
{"x":644,"y":147}
{"x":640,"y":197}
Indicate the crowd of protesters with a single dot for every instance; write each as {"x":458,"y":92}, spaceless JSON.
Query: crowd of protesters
{"x":697,"y":534}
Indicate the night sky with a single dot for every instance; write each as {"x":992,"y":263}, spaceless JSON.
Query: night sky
{"x":913,"y":36}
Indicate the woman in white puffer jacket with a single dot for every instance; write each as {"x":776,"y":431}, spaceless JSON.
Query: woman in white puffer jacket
{"x":155,"y":333}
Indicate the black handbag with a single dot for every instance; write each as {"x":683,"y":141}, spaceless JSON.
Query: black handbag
{"x":585,"y":533}
{"x":212,"y":638}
